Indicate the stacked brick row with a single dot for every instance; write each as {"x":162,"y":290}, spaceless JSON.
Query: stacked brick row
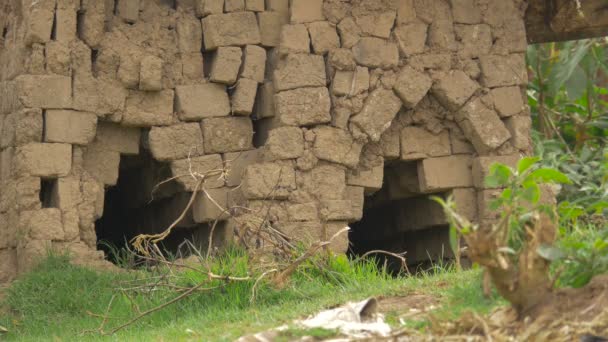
{"x":334,"y":90}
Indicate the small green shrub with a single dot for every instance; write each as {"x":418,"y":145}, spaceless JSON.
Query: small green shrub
{"x":586,"y":251}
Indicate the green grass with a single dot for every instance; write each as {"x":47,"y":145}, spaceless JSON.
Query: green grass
{"x":52,"y":302}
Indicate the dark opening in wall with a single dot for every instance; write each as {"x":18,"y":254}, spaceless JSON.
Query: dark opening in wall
{"x":54,"y":27}
{"x":3,"y":38}
{"x":80,"y":24}
{"x":94,"y":56}
{"x":47,"y":187}
{"x":130,"y":210}
{"x":399,"y":218}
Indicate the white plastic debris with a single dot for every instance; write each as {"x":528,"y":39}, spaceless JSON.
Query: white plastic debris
{"x":360,"y":319}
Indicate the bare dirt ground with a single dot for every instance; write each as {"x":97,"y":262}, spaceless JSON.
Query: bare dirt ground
{"x":571,"y":314}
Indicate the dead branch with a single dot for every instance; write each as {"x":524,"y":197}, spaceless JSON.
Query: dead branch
{"x":399,"y":256}
{"x":157,"y":308}
{"x":282,"y":277}
{"x":142,"y":241}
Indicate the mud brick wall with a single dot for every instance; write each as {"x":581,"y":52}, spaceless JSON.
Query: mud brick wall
{"x":311,"y":106}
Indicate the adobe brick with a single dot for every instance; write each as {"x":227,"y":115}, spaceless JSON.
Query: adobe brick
{"x":323,"y":36}
{"x":466,"y":202}
{"x":268,"y":181}
{"x":211,"y":205}
{"x":239,"y":28}
{"x":302,"y":107}
{"x":284,"y":143}
{"x":192,"y":66}
{"x":376,"y":53}
{"x":482,"y":126}
{"x":378,"y":111}
{"x":206,"y":7}
{"x":128,"y":10}
{"x":101,"y":163}
{"x":254,"y":63}
{"x":101,"y":96}
{"x":151,"y":73}
{"x":324,"y":181}
{"x":44,"y":159}
{"x":228,"y":134}
{"x":350,"y":83}
{"x":93,"y":23}
{"x":265,"y":101}
{"x":501,"y":71}
{"x":244,"y":96}
{"x":236,"y":162}
{"x":299,"y":70}
{"x":44,"y":91}
{"x":305,"y":11}
{"x":39,"y":25}
{"x":406,"y":12}
{"x":146,"y":109}
{"x":419,"y":213}
{"x":508,"y":101}
{"x":474,"y":40}
{"x":202,"y":165}
{"x":443,"y":173}
{"x":225,"y":65}
{"x":176,"y":141}
{"x":411,"y":38}
{"x":338,"y":245}
{"x":234,"y":5}
{"x":418,"y":143}
{"x":58,"y":58}
{"x":254,"y":5}
{"x":196,"y":102}
{"x":294,"y":39}
{"x":118,"y":138}
{"x":68,"y":126}
{"x":454,"y":89}
{"x":349,"y":31}
{"x":376,"y":24}
{"x":411,"y":86}
{"x":270,"y":28}
{"x":65,"y":24}
{"x":465,"y":12}
{"x":520,"y":127}
{"x":336,"y":145}
{"x":65,"y":194}
{"x":370,"y":179}
{"x":42,"y":224}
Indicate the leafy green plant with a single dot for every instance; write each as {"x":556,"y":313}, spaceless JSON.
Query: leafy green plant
{"x":518,"y":249}
{"x":588,"y":171}
{"x":567,"y":93}
{"x":586,"y":254}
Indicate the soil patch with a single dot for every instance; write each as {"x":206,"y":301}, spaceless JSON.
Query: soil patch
{"x":571,"y":314}
{"x":413,"y":303}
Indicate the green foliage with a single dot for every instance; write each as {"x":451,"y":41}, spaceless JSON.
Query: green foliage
{"x":567,"y":91}
{"x":588,"y":171}
{"x":520,"y":199}
{"x":586,"y":248}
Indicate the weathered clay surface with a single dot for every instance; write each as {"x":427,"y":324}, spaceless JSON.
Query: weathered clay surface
{"x":309,"y":106}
